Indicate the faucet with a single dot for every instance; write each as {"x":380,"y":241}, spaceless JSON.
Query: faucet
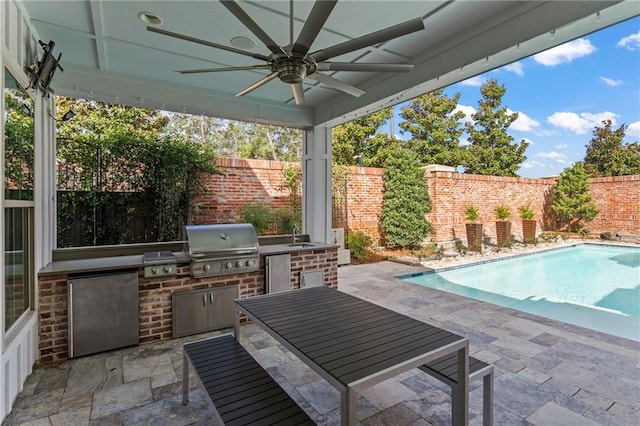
{"x":294,"y":230}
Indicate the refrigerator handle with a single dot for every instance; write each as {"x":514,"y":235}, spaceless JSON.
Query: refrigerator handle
{"x":70,"y":316}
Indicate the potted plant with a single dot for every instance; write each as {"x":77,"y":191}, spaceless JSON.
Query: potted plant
{"x":528,"y":224}
{"x":503,"y":226}
{"x":474,"y":228}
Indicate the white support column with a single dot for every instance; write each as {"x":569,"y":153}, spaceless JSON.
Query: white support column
{"x":316,"y":183}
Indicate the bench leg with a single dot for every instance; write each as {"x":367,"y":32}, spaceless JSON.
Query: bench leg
{"x":487,"y":399}
{"x":185,"y":379}
{"x":236,"y":326}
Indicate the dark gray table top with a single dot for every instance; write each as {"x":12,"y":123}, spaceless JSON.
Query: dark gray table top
{"x":347,"y":337}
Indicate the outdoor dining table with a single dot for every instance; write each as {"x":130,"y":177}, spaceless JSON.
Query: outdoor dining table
{"x":353,"y":343}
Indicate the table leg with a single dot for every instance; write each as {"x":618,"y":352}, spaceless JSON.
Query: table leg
{"x":460,"y":393}
{"x":348,"y":407}
{"x":185,"y":379}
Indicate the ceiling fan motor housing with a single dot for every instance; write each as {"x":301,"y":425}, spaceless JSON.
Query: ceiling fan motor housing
{"x":291,"y":70}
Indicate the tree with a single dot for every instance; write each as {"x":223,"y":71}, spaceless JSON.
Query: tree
{"x":435,"y":128}
{"x":608,"y":155}
{"x":269,"y":142}
{"x":572,"y":202}
{"x":491,"y":151}
{"x":405,"y":201}
{"x":351,"y":139}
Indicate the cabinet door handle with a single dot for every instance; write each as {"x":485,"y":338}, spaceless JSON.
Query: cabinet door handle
{"x":211,"y":298}
{"x":204,"y":299}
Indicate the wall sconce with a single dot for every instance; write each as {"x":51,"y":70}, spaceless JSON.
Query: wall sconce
{"x":68,"y":116}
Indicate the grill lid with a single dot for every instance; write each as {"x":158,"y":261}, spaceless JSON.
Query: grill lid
{"x":206,"y":241}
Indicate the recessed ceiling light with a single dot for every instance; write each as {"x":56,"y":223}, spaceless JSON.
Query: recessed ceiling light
{"x":150,"y":18}
{"x":242,"y":42}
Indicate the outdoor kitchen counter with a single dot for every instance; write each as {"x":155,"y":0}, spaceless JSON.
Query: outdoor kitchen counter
{"x":114,"y":263}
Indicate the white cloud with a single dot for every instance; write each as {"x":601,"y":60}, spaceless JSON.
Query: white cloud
{"x":529,"y":164}
{"x":582,"y":123}
{"x":468,"y":111}
{"x":515,"y":67}
{"x":611,"y":82}
{"x":476,"y":81}
{"x":561,"y":146}
{"x":633,"y":130}
{"x":524,"y":123}
{"x":565,"y":53}
{"x":631,"y":42}
{"x":558,"y":157}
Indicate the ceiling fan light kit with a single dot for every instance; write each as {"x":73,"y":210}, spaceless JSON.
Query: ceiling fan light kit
{"x":293,"y":63}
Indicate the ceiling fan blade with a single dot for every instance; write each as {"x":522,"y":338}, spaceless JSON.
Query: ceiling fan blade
{"x":203,"y":70}
{"x":257,"y":84}
{"x":206,"y":43}
{"x":355,"y":66}
{"x":369,"y":40}
{"x":314,"y":23}
{"x":248,"y":22}
{"x":337,"y":84}
{"x":298,"y":93}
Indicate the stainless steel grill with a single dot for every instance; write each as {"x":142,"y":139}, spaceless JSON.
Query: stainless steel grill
{"x":222,"y":249}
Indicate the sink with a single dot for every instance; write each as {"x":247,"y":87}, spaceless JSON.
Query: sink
{"x":301,"y":245}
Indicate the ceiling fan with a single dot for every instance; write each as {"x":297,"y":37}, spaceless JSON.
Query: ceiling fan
{"x":293,"y":63}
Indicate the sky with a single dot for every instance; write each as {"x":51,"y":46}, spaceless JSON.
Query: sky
{"x":562,"y":94}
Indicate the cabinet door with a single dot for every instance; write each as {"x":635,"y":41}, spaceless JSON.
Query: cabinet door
{"x":222,"y":307}
{"x":190,"y":312}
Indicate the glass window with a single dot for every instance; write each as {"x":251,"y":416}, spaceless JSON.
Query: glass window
{"x":18,"y":141}
{"x":18,"y":202}
{"x":18,"y":284}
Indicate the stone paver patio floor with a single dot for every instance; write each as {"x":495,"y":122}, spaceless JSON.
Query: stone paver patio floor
{"x":546,"y":372}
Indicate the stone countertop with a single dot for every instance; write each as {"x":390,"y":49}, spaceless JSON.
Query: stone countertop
{"x":103,"y":264}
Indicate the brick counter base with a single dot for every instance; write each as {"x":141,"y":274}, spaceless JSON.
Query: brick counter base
{"x":155,"y":314}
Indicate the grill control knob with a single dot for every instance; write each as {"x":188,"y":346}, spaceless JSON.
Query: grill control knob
{"x":228,"y":265}
{"x":249,"y":263}
{"x":206,"y":267}
{"x":168,"y":269}
{"x":155,"y":270}
{"x":239,"y":264}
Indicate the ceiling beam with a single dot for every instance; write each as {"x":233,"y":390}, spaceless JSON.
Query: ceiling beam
{"x":98,"y":28}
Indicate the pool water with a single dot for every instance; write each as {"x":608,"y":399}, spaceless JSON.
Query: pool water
{"x":591,"y":285}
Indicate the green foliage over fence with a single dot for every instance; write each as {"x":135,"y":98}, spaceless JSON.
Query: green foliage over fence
{"x":119,"y":171}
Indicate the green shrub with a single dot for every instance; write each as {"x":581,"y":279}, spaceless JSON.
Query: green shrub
{"x":359,"y":243}
{"x":257,"y":215}
{"x":525,"y":212}
{"x":471,"y":213}
{"x":607,"y":236}
{"x":429,"y":251}
{"x":502,"y":212}
{"x":284,"y":219}
{"x":405,"y":201}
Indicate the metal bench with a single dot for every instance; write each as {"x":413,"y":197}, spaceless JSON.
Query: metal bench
{"x":241,"y":391}
{"x":446,"y":370}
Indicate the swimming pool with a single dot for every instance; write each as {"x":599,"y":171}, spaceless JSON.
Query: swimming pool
{"x":591,"y":285}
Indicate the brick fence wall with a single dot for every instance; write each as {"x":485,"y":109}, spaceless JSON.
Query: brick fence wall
{"x":259,"y":181}
{"x":243,"y":182}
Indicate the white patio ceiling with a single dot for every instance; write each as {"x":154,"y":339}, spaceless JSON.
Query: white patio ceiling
{"x":109,"y":55}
